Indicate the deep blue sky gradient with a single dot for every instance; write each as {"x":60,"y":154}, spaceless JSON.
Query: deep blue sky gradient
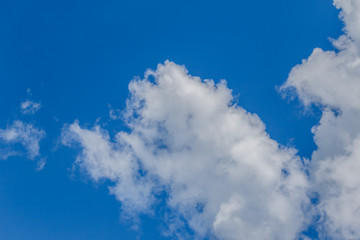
{"x":77,"y":57}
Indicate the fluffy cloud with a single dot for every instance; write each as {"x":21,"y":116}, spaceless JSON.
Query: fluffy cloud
{"x":29,"y":107}
{"x":21,"y":133}
{"x":223,"y":175}
{"x":350,"y":14}
{"x":104,"y":159}
{"x":331,"y":79}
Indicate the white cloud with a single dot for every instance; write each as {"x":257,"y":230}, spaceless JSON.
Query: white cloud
{"x":222,"y":172}
{"x":5,"y":153}
{"x":350,"y":14}
{"x":29,"y":107}
{"x":21,"y":133}
{"x":103,"y":160}
{"x":40,"y":164}
{"x":114,"y":114}
{"x":331,"y":79}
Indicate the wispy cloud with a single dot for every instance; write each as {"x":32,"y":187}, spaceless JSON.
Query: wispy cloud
{"x":40,"y":164}
{"x":21,"y":133}
{"x":114,"y":114}
{"x":223,"y":174}
{"x":30,"y":107}
{"x":331,"y":79}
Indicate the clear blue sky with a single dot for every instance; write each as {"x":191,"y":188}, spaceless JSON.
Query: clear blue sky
{"x":77,"y":57}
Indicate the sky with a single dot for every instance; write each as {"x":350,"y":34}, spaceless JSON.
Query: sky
{"x":179,"y":119}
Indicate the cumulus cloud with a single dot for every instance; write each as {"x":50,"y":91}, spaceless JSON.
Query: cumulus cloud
{"x":331,"y":79}
{"x":350,"y":15}
{"x":21,"y":133}
{"x":223,"y":175}
{"x":30,"y":107}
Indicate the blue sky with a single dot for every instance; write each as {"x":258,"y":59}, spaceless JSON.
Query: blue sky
{"x":76,"y":59}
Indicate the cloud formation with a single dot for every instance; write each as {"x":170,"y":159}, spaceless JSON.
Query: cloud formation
{"x":30,"y":107}
{"x":223,"y":175}
{"x":20,"y":133}
{"x":331,"y":79}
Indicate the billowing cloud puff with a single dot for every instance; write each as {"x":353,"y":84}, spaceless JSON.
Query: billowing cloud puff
{"x":350,"y":14}
{"x":223,"y":175}
{"x":331,"y":79}
{"x":21,"y":133}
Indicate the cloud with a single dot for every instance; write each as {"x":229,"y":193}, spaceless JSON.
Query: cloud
{"x":21,"y":133}
{"x":103,"y":160}
{"x":350,"y":15}
{"x":331,"y":79}
{"x":223,"y":175}
{"x":40,"y":164}
{"x":29,"y":107}
{"x":114,"y":114}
